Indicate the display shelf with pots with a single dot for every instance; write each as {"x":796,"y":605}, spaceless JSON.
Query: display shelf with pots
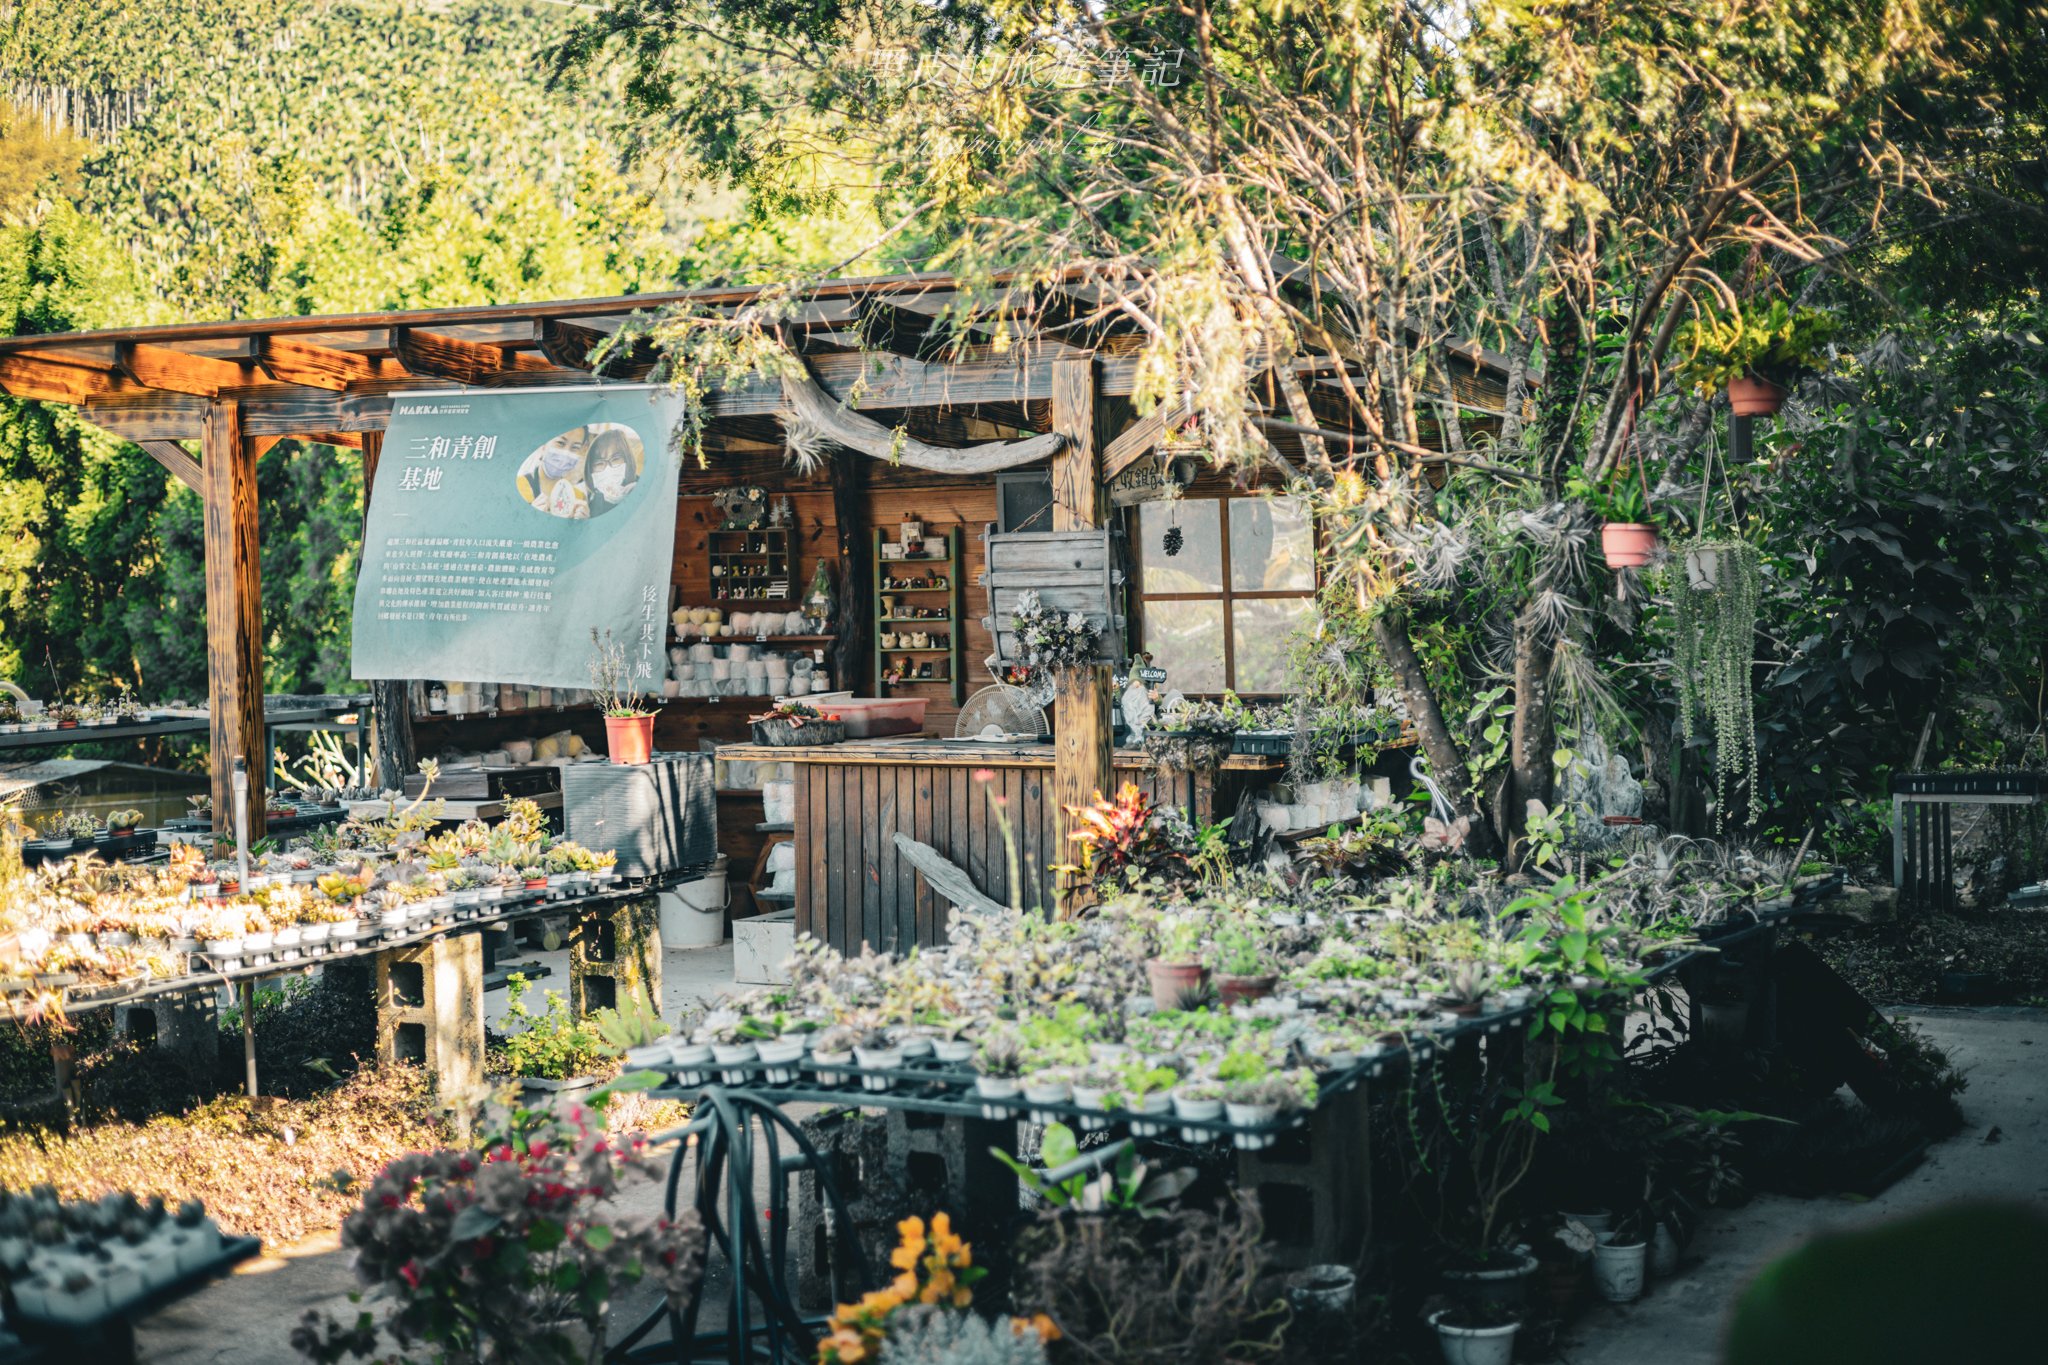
{"x":753,"y":566}
{"x":919,"y":611}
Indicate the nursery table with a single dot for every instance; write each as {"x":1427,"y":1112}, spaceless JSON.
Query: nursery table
{"x":742,"y":1149}
{"x":110,"y":1339}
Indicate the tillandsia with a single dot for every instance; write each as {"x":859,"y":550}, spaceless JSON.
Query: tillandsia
{"x":1714,"y":655}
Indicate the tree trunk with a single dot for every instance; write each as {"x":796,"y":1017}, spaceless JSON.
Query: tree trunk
{"x":1446,"y":764}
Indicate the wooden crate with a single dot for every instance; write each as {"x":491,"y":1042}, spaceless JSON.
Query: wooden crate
{"x":1069,"y":570}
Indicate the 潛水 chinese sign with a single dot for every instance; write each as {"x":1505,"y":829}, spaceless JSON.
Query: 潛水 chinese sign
{"x":503,"y":527}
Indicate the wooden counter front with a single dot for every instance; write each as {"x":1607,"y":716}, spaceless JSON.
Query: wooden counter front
{"x":853,"y":887}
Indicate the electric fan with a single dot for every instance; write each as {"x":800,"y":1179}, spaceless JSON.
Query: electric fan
{"x":998,"y":713}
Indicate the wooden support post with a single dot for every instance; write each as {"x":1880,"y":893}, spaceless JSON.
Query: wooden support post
{"x":851,"y":655}
{"x":234,"y":613}
{"x":392,"y":753}
{"x":1081,"y":729}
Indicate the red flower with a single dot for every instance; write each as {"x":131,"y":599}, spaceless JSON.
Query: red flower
{"x":410,"y":1273}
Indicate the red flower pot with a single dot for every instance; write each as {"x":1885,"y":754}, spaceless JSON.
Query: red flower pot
{"x":630,"y":738}
{"x":1231,"y":989}
{"x":1753,"y":397}
{"x":1627,"y":544}
{"x":1176,"y":984}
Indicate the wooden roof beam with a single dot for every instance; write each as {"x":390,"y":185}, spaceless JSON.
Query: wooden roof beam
{"x":465,"y":362}
{"x":316,"y":367}
{"x":26,"y":376}
{"x":160,"y":367}
{"x":568,"y":346}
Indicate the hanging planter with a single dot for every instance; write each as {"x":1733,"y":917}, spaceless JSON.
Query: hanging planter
{"x":1627,"y":544}
{"x":1753,"y":396}
{"x":1754,"y":353}
{"x":1715,"y":653}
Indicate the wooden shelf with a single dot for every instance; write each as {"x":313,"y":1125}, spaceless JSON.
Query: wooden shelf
{"x":951,"y":622}
{"x":801,"y":640}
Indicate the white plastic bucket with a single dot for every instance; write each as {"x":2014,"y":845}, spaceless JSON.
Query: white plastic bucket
{"x":693,"y":915}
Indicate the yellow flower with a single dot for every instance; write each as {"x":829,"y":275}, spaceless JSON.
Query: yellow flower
{"x":1040,"y":1323}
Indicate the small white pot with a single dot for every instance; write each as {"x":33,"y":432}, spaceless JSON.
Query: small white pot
{"x":1474,"y":1345}
{"x":1664,"y":1251}
{"x":779,"y":1057}
{"x":952,"y":1051}
{"x":733,"y":1057}
{"x":829,"y":1080}
{"x":1090,"y":1097}
{"x":693,"y":1061}
{"x":1618,"y":1270}
{"x":1197,"y":1108}
{"x":1047,"y":1093}
{"x":995,"y":1093}
{"x":1251,"y":1116}
{"x":877,"y":1059}
{"x":648,"y":1054}
{"x":1159,"y":1102}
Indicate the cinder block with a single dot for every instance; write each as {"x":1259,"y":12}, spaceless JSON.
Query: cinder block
{"x":1315,"y":1188}
{"x":614,"y":953}
{"x":888,"y":1167}
{"x":185,"y":1028}
{"x":430,"y":1010}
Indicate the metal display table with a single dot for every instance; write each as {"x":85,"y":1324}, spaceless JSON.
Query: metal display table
{"x":740,"y":1131}
{"x":110,"y":1340}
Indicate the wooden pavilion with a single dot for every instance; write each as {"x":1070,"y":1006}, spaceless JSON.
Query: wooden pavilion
{"x":207,"y":399}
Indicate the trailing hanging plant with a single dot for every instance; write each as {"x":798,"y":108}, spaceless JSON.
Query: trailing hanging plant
{"x":1716,"y":585}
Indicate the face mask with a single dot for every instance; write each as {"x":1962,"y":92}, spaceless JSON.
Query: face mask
{"x":610,"y":481}
{"x":556,"y":461}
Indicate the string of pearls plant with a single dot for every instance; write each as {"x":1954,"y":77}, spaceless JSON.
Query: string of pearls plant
{"x":1715,"y":586}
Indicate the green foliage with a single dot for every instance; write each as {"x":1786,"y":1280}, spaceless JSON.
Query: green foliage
{"x":550,"y":1045}
{"x":1717,"y":586}
{"x":1778,"y":343}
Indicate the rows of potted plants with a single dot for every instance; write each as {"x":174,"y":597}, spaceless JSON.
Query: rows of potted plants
{"x":1222,"y":1012}
{"x":89,"y":927}
{"x":69,"y":715}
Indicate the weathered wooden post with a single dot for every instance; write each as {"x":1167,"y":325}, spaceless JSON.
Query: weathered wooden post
{"x":392,"y":754}
{"x":234,"y":609}
{"x":1081,"y":729}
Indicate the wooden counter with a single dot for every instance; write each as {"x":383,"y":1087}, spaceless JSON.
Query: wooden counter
{"x":852,"y":885}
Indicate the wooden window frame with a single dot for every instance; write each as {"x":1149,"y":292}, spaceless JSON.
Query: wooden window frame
{"x":1225,"y":595}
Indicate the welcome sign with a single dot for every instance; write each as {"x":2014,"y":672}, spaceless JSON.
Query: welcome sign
{"x":505,"y":526}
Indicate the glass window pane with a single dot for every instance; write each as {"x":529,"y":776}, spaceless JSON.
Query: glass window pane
{"x":1263,"y":631}
{"x":1272,"y":548}
{"x":1198,"y":567}
{"x":1186,"y":639}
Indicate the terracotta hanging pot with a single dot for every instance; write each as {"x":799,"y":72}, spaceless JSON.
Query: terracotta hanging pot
{"x":1627,"y":544}
{"x":1753,"y":397}
{"x":630,"y":739}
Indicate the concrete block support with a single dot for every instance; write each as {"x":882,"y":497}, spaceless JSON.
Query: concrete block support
{"x":615,"y":953}
{"x":1315,"y":1189}
{"x":430,"y":1010}
{"x":185,"y":1028}
{"x":890,"y":1166}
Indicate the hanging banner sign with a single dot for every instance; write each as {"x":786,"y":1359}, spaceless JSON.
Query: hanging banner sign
{"x":505,"y":526}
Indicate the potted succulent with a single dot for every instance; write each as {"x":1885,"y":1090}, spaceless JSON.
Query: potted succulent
{"x":1178,"y":977}
{"x":998,"y":1065}
{"x":830,"y":1051}
{"x":1195,"y":736}
{"x":876,"y":1053}
{"x":122,"y":823}
{"x":1628,"y":529}
{"x":628,"y":721}
{"x":1244,"y":969}
{"x":1200,"y":1101}
{"x":554,"y":1058}
{"x":794,"y":722}
{"x":1755,"y":354}
{"x":1147,"y":1089}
